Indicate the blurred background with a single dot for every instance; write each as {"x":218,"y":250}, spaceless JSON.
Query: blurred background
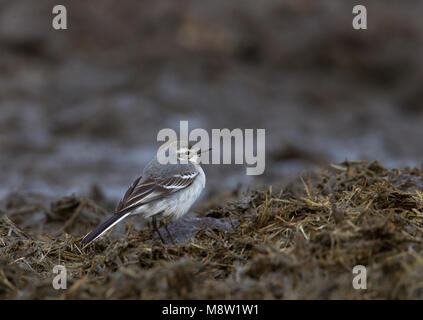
{"x":82,"y":107}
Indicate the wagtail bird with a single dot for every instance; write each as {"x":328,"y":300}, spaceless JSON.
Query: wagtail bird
{"x":164,"y":192}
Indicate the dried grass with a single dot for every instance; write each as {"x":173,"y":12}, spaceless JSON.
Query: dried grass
{"x":295,"y":243}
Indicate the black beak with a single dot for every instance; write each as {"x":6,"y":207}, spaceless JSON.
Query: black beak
{"x":200,"y":152}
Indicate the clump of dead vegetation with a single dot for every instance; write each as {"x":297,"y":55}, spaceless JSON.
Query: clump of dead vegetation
{"x":294,"y":243}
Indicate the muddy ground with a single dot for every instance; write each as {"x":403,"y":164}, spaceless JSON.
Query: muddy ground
{"x":80,"y":110}
{"x":301,"y":242}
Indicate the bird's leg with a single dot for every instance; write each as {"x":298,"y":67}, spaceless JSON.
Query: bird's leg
{"x":169,"y":234}
{"x":154,"y":222}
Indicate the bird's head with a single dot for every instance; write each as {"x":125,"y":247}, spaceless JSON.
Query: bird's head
{"x":184,"y":151}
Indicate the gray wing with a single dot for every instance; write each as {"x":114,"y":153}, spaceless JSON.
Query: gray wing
{"x":142,"y":192}
{"x":150,"y":189}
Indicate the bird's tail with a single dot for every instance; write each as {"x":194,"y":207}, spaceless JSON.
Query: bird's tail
{"x":103,"y":227}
